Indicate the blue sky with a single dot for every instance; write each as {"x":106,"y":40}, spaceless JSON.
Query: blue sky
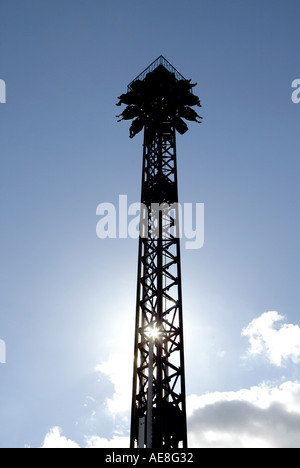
{"x":68,"y":298}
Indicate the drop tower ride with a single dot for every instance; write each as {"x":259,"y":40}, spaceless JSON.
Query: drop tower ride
{"x":157,"y":101}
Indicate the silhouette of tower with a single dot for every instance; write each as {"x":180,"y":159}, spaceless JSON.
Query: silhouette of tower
{"x":158,"y":100}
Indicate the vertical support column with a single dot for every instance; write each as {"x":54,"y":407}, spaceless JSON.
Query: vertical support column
{"x":159,"y":396}
{"x":150,"y":397}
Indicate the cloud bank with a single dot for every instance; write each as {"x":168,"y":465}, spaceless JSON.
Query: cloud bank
{"x":263,"y":416}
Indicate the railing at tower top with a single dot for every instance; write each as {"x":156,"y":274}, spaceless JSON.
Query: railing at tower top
{"x":159,"y":61}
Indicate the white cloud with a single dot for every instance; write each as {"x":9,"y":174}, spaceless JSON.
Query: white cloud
{"x":55,"y":439}
{"x":100,"y":442}
{"x":118,"y":368}
{"x":277,"y":344}
{"x":262,"y":416}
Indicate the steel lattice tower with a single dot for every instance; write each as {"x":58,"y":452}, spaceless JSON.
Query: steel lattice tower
{"x":158,"y":99}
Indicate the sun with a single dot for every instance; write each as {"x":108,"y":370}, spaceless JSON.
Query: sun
{"x":154,"y":332}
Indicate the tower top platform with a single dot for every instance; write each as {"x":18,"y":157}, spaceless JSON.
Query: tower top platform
{"x":159,"y":61}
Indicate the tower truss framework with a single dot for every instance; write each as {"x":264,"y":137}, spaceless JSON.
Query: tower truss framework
{"x":158,"y":101}
{"x":158,"y":401}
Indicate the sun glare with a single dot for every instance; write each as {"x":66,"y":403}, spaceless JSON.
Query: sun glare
{"x":154,"y":332}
